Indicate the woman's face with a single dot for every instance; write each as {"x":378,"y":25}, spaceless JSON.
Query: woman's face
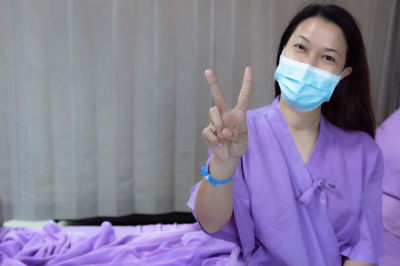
{"x":319,"y":43}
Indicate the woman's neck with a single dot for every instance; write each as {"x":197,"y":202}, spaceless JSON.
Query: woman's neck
{"x":300,"y":121}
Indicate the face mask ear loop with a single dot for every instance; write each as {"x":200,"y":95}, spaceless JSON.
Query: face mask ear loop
{"x":341,"y":73}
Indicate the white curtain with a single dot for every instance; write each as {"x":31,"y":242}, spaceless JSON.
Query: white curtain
{"x":102,"y":103}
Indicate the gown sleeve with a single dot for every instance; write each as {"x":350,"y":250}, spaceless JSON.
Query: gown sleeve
{"x":367,"y":243}
{"x":240,"y":228}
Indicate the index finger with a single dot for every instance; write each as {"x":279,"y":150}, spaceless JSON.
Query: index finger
{"x":218,"y":95}
{"x":245,"y":91}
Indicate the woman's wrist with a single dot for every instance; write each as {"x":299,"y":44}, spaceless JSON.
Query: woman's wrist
{"x":221,"y":170}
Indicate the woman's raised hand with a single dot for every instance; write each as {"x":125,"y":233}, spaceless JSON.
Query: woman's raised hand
{"x":226,"y":135}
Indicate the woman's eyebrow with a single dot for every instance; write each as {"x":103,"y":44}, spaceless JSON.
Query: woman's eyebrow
{"x":302,"y":37}
{"x":326,"y":48}
{"x":331,"y":50}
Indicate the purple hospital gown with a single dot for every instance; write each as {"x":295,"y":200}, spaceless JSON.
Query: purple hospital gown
{"x":287,"y":212}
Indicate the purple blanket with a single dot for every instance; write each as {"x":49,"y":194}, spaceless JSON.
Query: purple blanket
{"x":184,"y":244}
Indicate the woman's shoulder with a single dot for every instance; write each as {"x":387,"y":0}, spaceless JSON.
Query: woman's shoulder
{"x":352,"y":137}
{"x":355,"y":142}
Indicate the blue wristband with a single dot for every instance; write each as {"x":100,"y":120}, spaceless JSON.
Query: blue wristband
{"x":213,"y":181}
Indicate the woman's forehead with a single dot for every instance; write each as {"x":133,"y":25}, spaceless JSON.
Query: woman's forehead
{"x":322,"y":34}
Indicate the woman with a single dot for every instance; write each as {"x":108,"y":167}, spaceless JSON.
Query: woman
{"x":298,"y":182}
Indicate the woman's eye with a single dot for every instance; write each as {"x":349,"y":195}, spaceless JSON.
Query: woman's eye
{"x":329,"y":58}
{"x":300,"y":46}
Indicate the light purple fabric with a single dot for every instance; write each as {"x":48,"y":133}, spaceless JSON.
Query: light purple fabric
{"x":392,"y":250}
{"x":388,"y":138}
{"x":290,"y":213}
{"x":159,"y":244}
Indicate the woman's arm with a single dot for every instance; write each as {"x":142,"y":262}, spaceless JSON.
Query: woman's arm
{"x":214,"y":205}
{"x":226,"y":138}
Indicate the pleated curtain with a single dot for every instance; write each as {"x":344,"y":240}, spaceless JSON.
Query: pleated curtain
{"x":102,"y":103}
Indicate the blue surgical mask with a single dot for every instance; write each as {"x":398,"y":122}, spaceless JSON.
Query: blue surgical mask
{"x":303,"y":86}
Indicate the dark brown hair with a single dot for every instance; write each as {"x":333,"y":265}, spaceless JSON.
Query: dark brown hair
{"x":350,"y":105}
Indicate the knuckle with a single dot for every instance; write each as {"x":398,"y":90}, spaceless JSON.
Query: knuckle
{"x":245,"y":95}
{"x":219,"y":99}
{"x":205,"y":132}
{"x":213,"y":110}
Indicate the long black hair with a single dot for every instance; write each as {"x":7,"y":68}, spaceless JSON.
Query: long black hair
{"x":350,"y":105}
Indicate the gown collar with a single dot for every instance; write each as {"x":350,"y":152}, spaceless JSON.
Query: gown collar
{"x":321,"y":145}
{"x":308,"y":175}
